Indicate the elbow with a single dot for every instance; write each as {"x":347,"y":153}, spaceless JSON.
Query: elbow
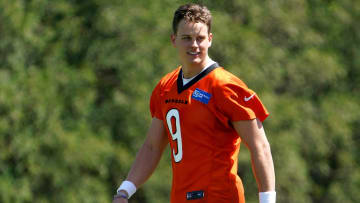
{"x":262,"y":150}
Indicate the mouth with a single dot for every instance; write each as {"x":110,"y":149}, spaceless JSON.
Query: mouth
{"x":193,"y":53}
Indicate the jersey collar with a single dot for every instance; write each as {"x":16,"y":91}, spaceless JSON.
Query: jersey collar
{"x":182,"y":87}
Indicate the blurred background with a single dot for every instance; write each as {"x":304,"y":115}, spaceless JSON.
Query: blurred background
{"x":76,"y":77}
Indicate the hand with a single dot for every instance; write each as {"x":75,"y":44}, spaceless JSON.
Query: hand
{"x":120,"y":200}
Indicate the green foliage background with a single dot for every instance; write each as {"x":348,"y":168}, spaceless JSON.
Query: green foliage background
{"x":76,"y":76}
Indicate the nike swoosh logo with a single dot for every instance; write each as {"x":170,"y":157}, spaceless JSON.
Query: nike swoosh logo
{"x":248,"y":98}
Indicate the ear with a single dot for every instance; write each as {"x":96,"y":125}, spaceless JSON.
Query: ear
{"x":173,"y":38}
{"x":210,"y":38}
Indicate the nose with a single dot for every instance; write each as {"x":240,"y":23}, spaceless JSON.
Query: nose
{"x":194,"y":43}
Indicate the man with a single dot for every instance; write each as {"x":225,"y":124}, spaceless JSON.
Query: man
{"x":204,"y":112}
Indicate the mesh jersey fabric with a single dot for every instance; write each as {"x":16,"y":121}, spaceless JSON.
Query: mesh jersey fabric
{"x":204,"y":145}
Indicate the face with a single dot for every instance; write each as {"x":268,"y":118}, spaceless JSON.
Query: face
{"x":192,"y":42}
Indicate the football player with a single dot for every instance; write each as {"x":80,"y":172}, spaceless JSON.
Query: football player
{"x":204,"y":113}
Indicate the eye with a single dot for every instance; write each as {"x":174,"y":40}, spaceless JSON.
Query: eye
{"x":187,"y":38}
{"x":201,"y":38}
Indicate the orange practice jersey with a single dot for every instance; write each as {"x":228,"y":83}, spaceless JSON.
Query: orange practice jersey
{"x":204,"y":145}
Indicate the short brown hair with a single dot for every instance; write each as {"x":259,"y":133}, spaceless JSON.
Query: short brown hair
{"x":192,"y":13}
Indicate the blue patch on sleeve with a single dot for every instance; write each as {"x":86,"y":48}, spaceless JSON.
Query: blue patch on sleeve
{"x":201,"y":96}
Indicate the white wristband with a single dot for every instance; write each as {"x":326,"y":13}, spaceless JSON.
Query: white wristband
{"x":267,"y":197}
{"x":128,"y":186}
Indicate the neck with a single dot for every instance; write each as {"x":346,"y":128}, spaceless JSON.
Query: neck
{"x":190,"y":70}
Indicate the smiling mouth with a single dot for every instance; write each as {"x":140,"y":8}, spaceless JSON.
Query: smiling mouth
{"x":193,"y":53}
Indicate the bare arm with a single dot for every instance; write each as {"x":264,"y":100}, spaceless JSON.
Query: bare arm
{"x":253,"y":135}
{"x":148,"y":156}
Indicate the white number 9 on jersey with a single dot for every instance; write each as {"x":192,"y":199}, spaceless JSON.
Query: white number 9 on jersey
{"x":176,"y":135}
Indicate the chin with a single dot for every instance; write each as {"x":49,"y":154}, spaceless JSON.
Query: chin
{"x":196,"y":61}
